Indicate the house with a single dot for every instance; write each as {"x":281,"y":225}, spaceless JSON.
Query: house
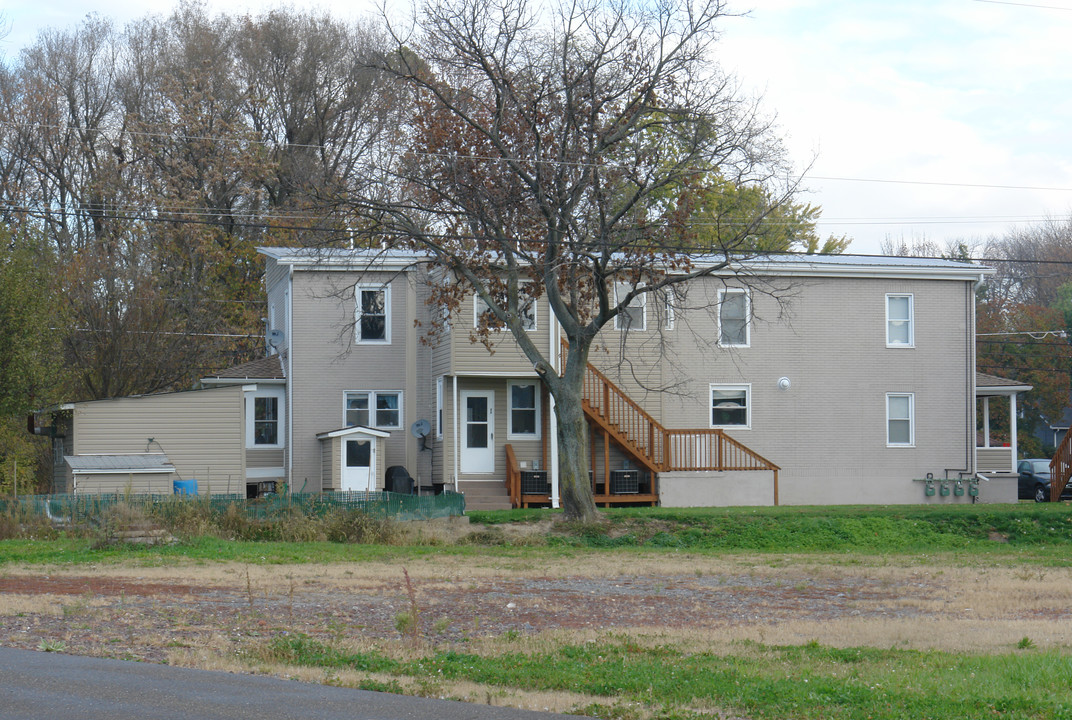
{"x":820,"y":380}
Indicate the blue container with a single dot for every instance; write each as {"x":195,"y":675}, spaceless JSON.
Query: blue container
{"x":185,"y":487}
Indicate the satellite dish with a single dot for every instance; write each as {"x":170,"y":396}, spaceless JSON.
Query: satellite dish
{"x":275,"y":337}
{"x":420,"y":429}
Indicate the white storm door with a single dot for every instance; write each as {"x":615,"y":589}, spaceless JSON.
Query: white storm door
{"x":478,"y":443}
{"x":358,"y":459}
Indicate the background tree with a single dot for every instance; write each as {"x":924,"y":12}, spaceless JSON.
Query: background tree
{"x":560,"y":153}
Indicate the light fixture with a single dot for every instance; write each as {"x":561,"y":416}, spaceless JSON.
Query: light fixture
{"x":784,"y":383}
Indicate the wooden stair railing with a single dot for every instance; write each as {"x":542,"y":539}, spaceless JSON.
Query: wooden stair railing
{"x":1061,"y":467}
{"x":656,"y":447}
{"x":513,"y":477}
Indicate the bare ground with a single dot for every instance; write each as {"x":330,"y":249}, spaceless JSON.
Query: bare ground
{"x":210,"y":616}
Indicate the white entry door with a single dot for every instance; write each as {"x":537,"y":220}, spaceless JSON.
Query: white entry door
{"x":478,"y":430}
{"x":358,"y":459}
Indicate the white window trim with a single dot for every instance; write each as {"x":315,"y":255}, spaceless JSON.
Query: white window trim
{"x":911,"y":420}
{"x":386,"y":288}
{"x":911,"y":321}
{"x":372,"y":407}
{"x":722,"y":293}
{"x":510,"y":434}
{"x":279,"y":394}
{"x":747,"y":387}
{"x":479,"y":307}
{"x":642,"y":299}
{"x":439,"y":407}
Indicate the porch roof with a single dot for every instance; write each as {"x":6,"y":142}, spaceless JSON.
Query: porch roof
{"x":120,"y":463}
{"x":353,"y":430}
{"x":988,"y":385}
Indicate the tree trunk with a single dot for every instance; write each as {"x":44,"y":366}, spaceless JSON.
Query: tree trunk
{"x":575,"y":486}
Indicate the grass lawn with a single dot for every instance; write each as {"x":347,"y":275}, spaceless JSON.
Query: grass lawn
{"x":964,"y":611}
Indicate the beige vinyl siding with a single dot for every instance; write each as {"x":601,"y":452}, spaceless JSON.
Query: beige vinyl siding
{"x":259,"y":458}
{"x":326,"y":363}
{"x":276,"y":280}
{"x":828,"y":431}
{"x":122,"y":483}
{"x":468,"y":357}
{"x":201,"y":431}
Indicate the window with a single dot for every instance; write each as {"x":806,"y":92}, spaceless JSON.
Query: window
{"x":382,"y":409}
{"x":264,"y":418}
{"x":731,"y":406}
{"x":373,"y":314}
{"x":733,"y":316}
{"x":670,"y":300}
{"x":527,"y":311}
{"x":899,"y":330}
{"x":524,"y":415}
{"x":900,"y":431}
{"x":633,"y":316}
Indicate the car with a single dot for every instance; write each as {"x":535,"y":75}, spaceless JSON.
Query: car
{"x":1034,"y":481}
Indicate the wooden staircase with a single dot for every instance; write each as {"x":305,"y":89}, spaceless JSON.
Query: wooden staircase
{"x":649,"y":445}
{"x":1061,"y":467}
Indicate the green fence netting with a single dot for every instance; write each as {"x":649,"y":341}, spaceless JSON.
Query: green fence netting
{"x":80,"y":508}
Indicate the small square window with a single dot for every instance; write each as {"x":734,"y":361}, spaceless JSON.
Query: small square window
{"x":731,"y":406}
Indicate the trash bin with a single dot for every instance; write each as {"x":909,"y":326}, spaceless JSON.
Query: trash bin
{"x":184,"y":487}
{"x":398,"y":480}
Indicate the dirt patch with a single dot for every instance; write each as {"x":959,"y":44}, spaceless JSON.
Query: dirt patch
{"x":146,"y":614}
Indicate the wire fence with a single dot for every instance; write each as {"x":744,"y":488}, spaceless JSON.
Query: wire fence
{"x":394,"y":506}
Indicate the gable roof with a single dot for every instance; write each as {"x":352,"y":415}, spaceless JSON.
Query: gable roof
{"x":267,"y":368}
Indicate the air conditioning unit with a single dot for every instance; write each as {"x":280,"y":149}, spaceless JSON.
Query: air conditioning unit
{"x":534,"y":482}
{"x":624,"y":482}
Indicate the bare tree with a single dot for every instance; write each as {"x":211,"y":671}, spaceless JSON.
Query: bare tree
{"x":556,"y":154}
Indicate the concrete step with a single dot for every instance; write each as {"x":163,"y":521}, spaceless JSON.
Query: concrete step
{"x":490,"y":495}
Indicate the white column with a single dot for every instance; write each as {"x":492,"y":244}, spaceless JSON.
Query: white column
{"x":1012,"y":433}
{"x":986,"y":421}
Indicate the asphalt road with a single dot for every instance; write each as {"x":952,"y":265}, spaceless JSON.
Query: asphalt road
{"x":52,"y":686}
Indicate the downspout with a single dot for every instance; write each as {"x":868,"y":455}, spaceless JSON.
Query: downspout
{"x":554,"y":332}
{"x":289,"y":372}
{"x":457,"y":459}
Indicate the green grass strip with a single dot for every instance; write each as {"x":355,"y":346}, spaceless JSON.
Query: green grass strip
{"x":809,"y":681}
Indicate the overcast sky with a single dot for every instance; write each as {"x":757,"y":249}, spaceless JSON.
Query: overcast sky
{"x":936,"y":119}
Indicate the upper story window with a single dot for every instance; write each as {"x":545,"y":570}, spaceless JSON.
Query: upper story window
{"x":731,"y":406}
{"x":374,"y":408}
{"x":373,"y":314}
{"x":633,"y":316}
{"x":900,"y":419}
{"x":734,"y":312}
{"x":524,"y":417}
{"x":900,"y":330}
{"x":264,"y":418}
{"x":527,"y":312}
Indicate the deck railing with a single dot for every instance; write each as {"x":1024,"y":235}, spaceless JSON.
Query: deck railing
{"x":1061,"y":467}
{"x":513,"y":477}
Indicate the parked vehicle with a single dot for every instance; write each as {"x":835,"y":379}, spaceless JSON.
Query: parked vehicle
{"x":1034,"y":481}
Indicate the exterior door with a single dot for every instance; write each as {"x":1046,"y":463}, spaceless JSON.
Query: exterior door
{"x":358,"y":459}
{"x":478,"y":431}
